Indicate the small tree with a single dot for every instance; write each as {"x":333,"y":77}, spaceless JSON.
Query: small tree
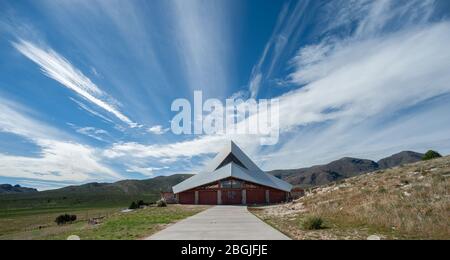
{"x":133,"y":205}
{"x":431,"y":155}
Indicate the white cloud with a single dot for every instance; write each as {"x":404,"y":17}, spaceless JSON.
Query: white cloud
{"x":59,"y":159}
{"x":199,"y":146}
{"x":43,"y":185}
{"x":147,"y":171}
{"x":58,"y":68}
{"x":97,"y":134}
{"x":158,"y":130}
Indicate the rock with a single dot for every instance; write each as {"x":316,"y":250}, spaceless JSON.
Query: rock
{"x":73,"y":237}
{"x":373,"y":237}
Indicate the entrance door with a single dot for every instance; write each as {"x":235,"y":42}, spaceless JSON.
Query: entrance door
{"x":207,"y":197}
{"x":231,"y":197}
{"x":187,"y":197}
{"x":256,"y":196}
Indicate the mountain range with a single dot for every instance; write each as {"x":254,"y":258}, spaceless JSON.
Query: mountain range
{"x":122,"y":192}
{"x":343,"y":168}
{"x":9,"y":189}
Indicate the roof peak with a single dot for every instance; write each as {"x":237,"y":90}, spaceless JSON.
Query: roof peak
{"x":236,"y":151}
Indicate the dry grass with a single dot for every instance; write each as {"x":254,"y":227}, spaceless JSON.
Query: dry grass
{"x":408,"y":202}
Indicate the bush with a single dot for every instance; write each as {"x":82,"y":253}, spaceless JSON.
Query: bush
{"x":382,"y":190}
{"x":161,"y":203}
{"x":133,"y":205}
{"x":66,"y":218}
{"x":141,"y":203}
{"x":137,"y":204}
{"x":431,"y":155}
{"x":313,"y":223}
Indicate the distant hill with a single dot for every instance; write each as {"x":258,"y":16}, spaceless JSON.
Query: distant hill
{"x":120,"y":193}
{"x":126,"y":187}
{"x":342,"y":169}
{"x":10,"y":189}
{"x":400,"y":159}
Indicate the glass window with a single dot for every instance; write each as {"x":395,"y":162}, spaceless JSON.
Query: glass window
{"x":236,"y":184}
{"x":225,"y":184}
{"x":231,"y":184}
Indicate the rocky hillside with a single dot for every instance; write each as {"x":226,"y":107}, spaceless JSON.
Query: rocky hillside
{"x":342,"y":169}
{"x":10,"y":189}
{"x":406,"y":202}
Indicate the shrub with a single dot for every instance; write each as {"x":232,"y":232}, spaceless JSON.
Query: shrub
{"x":141,"y":203}
{"x":66,"y":218}
{"x":313,"y":223}
{"x":431,"y":155}
{"x":133,"y":205}
{"x":382,"y":190}
{"x":161,"y":203}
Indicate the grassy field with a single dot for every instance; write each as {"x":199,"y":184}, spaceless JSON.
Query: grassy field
{"x":39,"y":224}
{"x":88,"y":196}
{"x":408,"y":202}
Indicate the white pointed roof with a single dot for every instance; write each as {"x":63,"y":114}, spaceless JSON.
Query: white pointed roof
{"x":251,"y":173}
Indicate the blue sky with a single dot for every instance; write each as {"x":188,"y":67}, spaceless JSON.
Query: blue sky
{"x":86,"y":86}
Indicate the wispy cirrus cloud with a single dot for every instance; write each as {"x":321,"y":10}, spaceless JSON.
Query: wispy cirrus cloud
{"x":284,"y":37}
{"x":58,"y":68}
{"x":93,"y":132}
{"x":202,"y":29}
{"x":90,"y":110}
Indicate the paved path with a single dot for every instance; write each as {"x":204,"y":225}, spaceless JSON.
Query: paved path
{"x":220,"y":223}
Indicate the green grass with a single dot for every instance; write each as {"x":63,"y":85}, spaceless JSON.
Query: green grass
{"x":12,"y":205}
{"x":115,"y":225}
{"x":32,"y":215}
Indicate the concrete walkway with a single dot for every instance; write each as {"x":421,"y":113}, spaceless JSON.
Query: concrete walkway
{"x":220,"y":223}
